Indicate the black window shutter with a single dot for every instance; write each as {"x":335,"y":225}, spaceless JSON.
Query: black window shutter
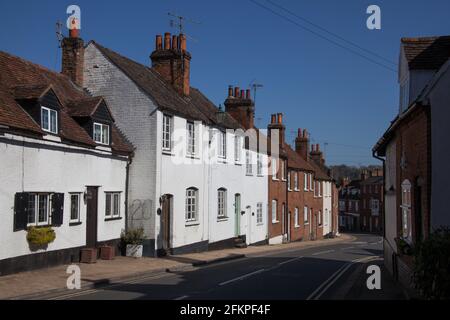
{"x":57,"y":209}
{"x":21,"y":211}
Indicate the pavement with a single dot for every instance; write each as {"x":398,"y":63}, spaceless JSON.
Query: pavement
{"x":326,"y":269}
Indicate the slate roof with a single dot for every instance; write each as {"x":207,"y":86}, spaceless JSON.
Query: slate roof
{"x":426,"y":52}
{"x":319,"y":172}
{"x":195,"y":107}
{"x":23,"y":80}
{"x":296,"y":161}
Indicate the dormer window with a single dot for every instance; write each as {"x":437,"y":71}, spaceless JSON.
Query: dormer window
{"x":101,"y":133}
{"x":49,"y":120}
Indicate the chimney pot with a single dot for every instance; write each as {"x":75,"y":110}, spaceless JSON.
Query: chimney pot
{"x":280,"y":118}
{"x":274,"y":118}
{"x":299,"y":134}
{"x":242,"y":94}
{"x":230,"y":91}
{"x":318,"y":147}
{"x":248,"y":94}
{"x":167,"y":41}
{"x":183,"y":42}
{"x":236,"y":92}
{"x":174,"y":43}
{"x":158,"y":45}
{"x":305,"y":133}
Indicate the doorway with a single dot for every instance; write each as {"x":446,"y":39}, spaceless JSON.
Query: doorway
{"x":237,"y":212}
{"x":166,"y":213}
{"x":91,"y":216}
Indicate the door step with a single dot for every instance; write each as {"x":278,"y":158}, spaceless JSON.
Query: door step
{"x":240,"y":243}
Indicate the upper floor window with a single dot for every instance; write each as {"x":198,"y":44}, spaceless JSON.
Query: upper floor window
{"x":306,"y":181}
{"x":191,"y":204}
{"x":190,"y":135}
{"x":289,"y":181}
{"x":222,"y":144}
{"x":222,"y":203}
{"x":167,"y":133}
{"x":101,"y":133}
{"x":319,"y":188}
{"x":259,"y":165}
{"x":237,"y":148}
{"x":49,"y":120}
{"x":311,"y":185}
{"x":283,"y":170}
{"x":274,"y":169}
{"x":248,"y":162}
{"x":296,"y":181}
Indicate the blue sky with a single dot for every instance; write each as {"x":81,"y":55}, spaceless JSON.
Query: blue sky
{"x":340,"y":97}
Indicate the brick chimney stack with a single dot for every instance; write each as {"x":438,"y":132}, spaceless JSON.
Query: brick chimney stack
{"x":172,"y":61}
{"x":276,"y":123}
{"x":73,"y":55}
{"x":240,"y":106}
{"x":302,"y":144}
{"x":317,"y":155}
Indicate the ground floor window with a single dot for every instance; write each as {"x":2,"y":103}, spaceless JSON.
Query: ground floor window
{"x":191,"y":204}
{"x":259,"y":213}
{"x":112,"y":206}
{"x":296,"y":219}
{"x":38,"y":209}
{"x":75,"y":207}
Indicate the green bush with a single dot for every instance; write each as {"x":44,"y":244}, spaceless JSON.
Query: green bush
{"x":432,"y":265}
{"x":133,"y":236}
{"x":41,"y":236}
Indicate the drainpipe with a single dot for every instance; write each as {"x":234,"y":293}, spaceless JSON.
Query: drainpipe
{"x":127,"y":181}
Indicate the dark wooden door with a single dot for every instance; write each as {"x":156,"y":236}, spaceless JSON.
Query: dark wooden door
{"x":92,"y":216}
{"x":166,"y":210}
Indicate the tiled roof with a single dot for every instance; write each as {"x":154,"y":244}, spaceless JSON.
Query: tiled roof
{"x":296,"y":161}
{"x":84,"y":107}
{"x":194,"y":107}
{"x":319,"y":172}
{"x":426,"y":52}
{"x":21,"y":79}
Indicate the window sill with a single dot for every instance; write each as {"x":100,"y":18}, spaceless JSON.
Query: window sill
{"x":297,"y":227}
{"x":249,"y":175}
{"x":260,"y":175}
{"x":193,"y":156}
{"x":75,"y":223}
{"x":192,"y":223}
{"x":223,"y":219}
{"x":168,"y":153}
{"x":306,"y":223}
{"x":238,"y":163}
{"x":113,"y":219}
{"x":222,"y":161}
{"x":275,"y":222}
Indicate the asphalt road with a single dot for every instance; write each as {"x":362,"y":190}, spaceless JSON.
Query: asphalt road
{"x":324,"y":272}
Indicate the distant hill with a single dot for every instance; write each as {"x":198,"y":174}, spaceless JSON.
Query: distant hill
{"x":352,"y":172}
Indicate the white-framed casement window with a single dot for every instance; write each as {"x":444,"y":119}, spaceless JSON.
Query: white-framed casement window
{"x":222,"y":203}
{"x":311,"y":185}
{"x":39,"y":209}
{"x":75,"y":204}
{"x":49,"y":120}
{"x":259,"y":165}
{"x":190,"y":139}
{"x":112,"y":205}
{"x":101,"y":133}
{"x":283,"y":170}
{"x":259,"y":213}
{"x":306,"y":181}
{"x":295,"y":181}
{"x":167,"y":133}
{"x":274,"y":211}
{"x":319,"y":218}
{"x":296,"y":218}
{"x":248,"y":163}
{"x":191,"y":204}
{"x":289,"y":181}
{"x":222,"y":144}
{"x":274,"y":168}
{"x":406,"y":210}
{"x":305,"y":215}
{"x":237,"y":148}
{"x":319,"y":188}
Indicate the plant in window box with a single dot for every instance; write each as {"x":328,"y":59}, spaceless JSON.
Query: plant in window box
{"x":133,"y":240}
{"x":39,"y":238}
{"x":403,"y":247}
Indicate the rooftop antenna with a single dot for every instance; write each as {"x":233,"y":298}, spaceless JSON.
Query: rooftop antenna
{"x":59,"y":34}
{"x":179,"y":22}
{"x":255,"y":86}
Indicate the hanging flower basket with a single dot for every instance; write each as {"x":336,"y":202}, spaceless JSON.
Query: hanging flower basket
{"x":40,"y":237}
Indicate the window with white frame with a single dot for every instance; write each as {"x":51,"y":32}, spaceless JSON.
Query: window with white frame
{"x":289,"y":181}
{"x":406,"y":210}
{"x":222,"y":144}
{"x":296,"y":181}
{"x":248,"y":163}
{"x":306,"y":181}
{"x":274,"y":168}
{"x":49,"y":120}
{"x":259,"y":165}
{"x":296,"y":218}
{"x":319,"y":217}
{"x":39,"y":209}
{"x":283,"y":170}
{"x":167,"y":133}
{"x":222,"y":203}
{"x":101,"y":133}
{"x":259,"y":213}
{"x":274,"y":211}
{"x":237,"y":148}
{"x":75,"y":203}
{"x":305,"y":215}
{"x":311,"y":185}
{"x":191,"y":204}
{"x":190,"y":137}
{"x":112,"y":205}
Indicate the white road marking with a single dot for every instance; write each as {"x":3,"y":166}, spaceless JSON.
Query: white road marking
{"x":325,"y":282}
{"x":289,"y":261}
{"x":322,"y":252}
{"x":348,"y":248}
{"x":242,"y":277}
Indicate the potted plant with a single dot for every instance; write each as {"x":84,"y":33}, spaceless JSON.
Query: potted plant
{"x":133,"y":240}
{"x":40,"y":238}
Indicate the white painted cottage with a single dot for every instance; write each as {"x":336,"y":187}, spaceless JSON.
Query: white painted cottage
{"x":191,"y":188}
{"x":63,"y":165}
